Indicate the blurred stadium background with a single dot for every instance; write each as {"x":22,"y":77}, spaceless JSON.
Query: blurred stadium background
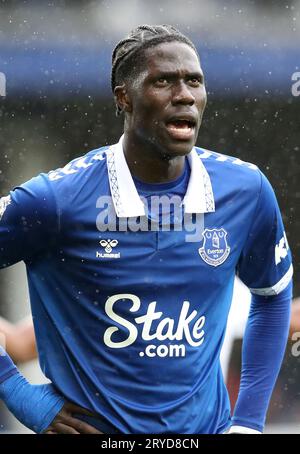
{"x":55,"y":56}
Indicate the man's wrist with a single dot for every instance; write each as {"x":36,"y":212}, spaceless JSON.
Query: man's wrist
{"x":7,"y":367}
{"x":35,"y":406}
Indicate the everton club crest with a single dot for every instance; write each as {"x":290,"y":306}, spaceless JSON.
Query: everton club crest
{"x":215,"y":249}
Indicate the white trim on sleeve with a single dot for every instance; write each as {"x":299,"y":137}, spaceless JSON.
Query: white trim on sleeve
{"x":277,"y":288}
{"x":243,"y":430}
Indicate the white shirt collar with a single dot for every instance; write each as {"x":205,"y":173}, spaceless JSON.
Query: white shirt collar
{"x":199,"y":196}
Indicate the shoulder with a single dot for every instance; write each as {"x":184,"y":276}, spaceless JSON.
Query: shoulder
{"x":79,"y":180}
{"x":222,"y":161}
{"x":80,"y":167}
{"x":60,"y":186}
{"x":231,"y":171}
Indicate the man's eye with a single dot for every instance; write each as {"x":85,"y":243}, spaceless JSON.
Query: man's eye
{"x":162,"y":81}
{"x":196,"y":81}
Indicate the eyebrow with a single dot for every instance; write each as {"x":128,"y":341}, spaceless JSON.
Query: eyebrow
{"x":174,"y":74}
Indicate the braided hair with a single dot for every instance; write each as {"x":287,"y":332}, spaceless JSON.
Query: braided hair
{"x":126,"y":57}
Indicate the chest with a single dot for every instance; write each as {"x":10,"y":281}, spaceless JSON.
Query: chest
{"x":202,"y":250}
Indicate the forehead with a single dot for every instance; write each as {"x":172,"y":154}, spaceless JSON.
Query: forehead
{"x":171,"y":56}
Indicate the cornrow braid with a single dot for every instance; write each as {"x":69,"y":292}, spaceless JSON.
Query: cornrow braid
{"x":125,"y":57}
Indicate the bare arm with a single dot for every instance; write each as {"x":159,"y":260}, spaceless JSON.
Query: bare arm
{"x":295,"y":317}
{"x":19,"y":339}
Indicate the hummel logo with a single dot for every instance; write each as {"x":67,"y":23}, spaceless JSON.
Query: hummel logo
{"x":108,"y":246}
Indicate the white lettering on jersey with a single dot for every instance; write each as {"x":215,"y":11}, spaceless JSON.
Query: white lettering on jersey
{"x":4,"y":202}
{"x":188,"y":327}
{"x":281,"y":249}
{"x":132,"y":330}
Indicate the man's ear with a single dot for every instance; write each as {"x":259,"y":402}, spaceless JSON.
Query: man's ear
{"x":122,"y":98}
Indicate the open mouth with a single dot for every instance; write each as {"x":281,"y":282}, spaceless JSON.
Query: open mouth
{"x":181,"y":129}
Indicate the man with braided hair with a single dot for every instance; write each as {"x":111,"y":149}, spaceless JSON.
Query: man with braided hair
{"x":131,"y":253}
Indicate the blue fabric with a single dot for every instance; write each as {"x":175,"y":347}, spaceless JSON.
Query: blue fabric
{"x":175,"y":188}
{"x":35,"y":406}
{"x":7,"y":367}
{"x":263,"y":349}
{"x":135,"y":335}
{"x":263,"y":259}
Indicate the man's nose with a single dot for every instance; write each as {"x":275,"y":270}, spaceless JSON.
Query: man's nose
{"x":182,"y":94}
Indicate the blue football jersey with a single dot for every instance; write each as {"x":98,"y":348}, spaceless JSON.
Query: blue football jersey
{"x":130,"y":293}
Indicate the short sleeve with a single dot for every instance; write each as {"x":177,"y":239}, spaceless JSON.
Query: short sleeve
{"x":265,"y":264}
{"x":28,"y":221}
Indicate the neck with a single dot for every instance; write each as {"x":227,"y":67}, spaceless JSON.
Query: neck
{"x":148,"y":164}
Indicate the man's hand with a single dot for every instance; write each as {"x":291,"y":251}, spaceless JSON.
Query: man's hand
{"x":295,"y":318}
{"x":40,"y":407}
{"x":65,"y":423}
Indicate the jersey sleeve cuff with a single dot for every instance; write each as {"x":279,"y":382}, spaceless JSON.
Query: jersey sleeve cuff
{"x":243,"y":430}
